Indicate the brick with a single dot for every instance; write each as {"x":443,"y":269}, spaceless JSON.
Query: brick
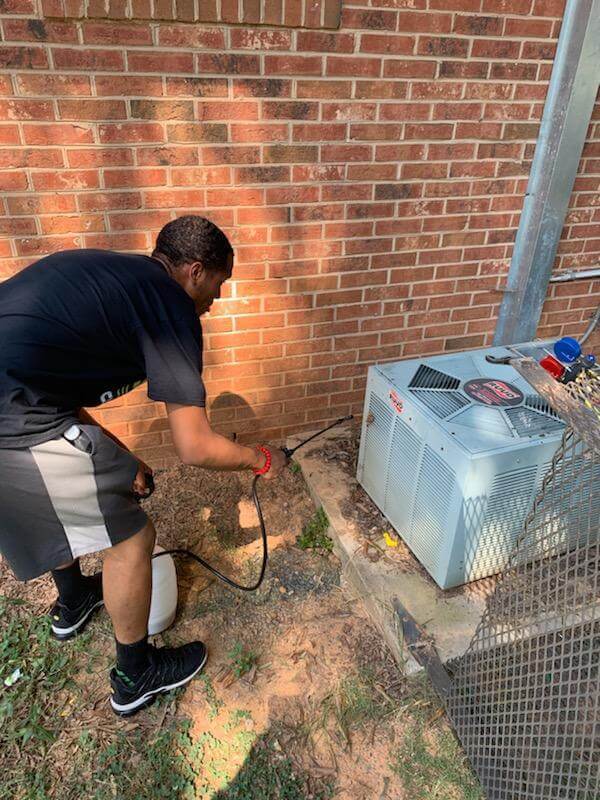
{"x":404,"y":111}
{"x":293,"y":65}
{"x":539,"y":51}
{"x":229,"y":64}
{"x":201,"y":176}
{"x":10,"y":134}
{"x":353,"y":65}
{"x":167,"y":156}
{"x":131,"y":132}
{"x":446,"y":90}
{"x":290,"y":154}
{"x":108,"y":33}
{"x":463,"y":69}
{"x":41,"y":85}
{"x":88,"y":60}
{"x":92,"y":109}
{"x":119,"y":85}
{"x":117,"y":178}
{"x":367,"y":132}
{"x":363,"y":19}
{"x":442,"y":46}
{"x":409,"y":69}
{"x":161,"y":109}
{"x":391,"y":44}
{"x":428,"y":22}
{"x":197,"y":132}
{"x":20,"y":57}
{"x":195,"y":87}
{"x":264,"y":132}
{"x":227,"y":110}
{"x":100,"y":157}
{"x":65,"y":179}
{"x":541,"y":28}
{"x":345,"y":152}
{"x":18,"y":7}
{"x":384,"y":90}
{"x":513,"y":71}
{"x":37,"y":30}
{"x":57,"y":133}
{"x":12,"y":181}
{"x":283,"y":109}
{"x":457,"y":111}
{"x":259,"y":39}
{"x":230,"y":155}
{"x":314,"y":41}
{"x":520,"y":130}
{"x":26,"y":109}
{"x":190,"y":36}
{"x":159,"y":61}
{"x":39,"y":246}
{"x":172,"y":198}
{"x":257,"y":87}
{"x":507,"y":6}
{"x":428,"y":131}
{"x":262,"y":174}
{"x":502,"y":48}
{"x":478,"y":25}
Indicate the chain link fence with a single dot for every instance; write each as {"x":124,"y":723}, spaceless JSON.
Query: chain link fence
{"x":525,"y":697}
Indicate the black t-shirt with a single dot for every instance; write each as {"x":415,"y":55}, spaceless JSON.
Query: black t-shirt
{"x":81,"y":327}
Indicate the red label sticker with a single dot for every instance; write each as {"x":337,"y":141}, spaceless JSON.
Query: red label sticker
{"x":396,"y":402}
{"x":492,"y":392}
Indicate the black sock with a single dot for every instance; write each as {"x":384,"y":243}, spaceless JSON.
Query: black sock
{"x":132,"y":659}
{"x":71,"y":584}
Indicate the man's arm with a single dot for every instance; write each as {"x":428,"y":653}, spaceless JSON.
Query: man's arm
{"x":196,"y":443}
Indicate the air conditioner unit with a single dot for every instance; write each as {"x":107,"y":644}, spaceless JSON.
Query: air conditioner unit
{"x":453,"y":451}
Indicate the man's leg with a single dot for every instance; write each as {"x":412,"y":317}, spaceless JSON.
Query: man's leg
{"x":127,"y":587}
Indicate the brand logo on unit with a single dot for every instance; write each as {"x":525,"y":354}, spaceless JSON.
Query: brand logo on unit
{"x":396,"y":402}
{"x":492,"y":392}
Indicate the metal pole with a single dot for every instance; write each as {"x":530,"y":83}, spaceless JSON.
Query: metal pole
{"x":575,"y":275}
{"x":567,"y":113}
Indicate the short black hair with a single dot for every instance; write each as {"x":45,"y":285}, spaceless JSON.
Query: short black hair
{"x":193,"y":238}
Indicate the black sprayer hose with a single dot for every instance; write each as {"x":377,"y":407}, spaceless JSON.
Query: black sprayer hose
{"x":263,"y":531}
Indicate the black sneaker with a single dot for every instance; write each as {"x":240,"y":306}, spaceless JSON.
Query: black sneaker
{"x":169,"y":668}
{"x":69,"y":622}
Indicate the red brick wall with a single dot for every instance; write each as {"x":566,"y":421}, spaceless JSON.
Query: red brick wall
{"x":370,"y":178}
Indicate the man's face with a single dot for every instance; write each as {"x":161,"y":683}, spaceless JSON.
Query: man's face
{"x":204,"y":286}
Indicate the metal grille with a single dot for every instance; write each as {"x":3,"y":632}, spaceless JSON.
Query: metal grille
{"x":443,"y":404}
{"x":525,"y":699}
{"x":428,"y":378}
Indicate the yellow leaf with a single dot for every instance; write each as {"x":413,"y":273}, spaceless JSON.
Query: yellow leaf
{"x":389,"y":540}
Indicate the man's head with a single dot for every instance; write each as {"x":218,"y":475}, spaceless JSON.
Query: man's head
{"x":198,"y":255}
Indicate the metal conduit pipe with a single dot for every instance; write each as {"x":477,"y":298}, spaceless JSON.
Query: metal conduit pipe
{"x":575,"y":275}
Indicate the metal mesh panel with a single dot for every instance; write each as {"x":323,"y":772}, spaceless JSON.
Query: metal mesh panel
{"x":443,"y":404}
{"x":525,"y":699}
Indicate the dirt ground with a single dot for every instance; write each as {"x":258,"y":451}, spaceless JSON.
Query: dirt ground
{"x":295,"y":665}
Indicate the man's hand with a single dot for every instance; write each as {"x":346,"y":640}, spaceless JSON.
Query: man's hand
{"x":278,"y":462}
{"x":140,"y":484}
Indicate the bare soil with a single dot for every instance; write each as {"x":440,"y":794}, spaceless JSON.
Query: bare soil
{"x":320,"y":684}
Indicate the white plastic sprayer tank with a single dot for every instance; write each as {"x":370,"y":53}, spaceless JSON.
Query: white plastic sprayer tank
{"x":164,"y":593}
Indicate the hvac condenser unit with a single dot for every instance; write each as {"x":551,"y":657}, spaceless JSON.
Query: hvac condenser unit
{"x":453,"y":450}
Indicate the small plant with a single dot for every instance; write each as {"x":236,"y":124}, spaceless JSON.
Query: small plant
{"x":242,"y":660}
{"x":295,"y":468}
{"x":211,"y":697}
{"x":314,"y":536}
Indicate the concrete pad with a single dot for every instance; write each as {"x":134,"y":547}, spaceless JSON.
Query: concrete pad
{"x":449,"y":617}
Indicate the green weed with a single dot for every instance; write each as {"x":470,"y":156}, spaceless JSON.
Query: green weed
{"x":314,"y":534}
{"x":215,"y":704}
{"x":241,"y":660}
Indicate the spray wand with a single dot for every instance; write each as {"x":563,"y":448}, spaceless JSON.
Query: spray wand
{"x":182,"y":552}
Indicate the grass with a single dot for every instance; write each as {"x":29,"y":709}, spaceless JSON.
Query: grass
{"x":268,"y":774}
{"x":314,"y":534}
{"x":432,"y":766}
{"x":241,"y":660}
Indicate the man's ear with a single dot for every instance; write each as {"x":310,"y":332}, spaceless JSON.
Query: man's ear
{"x":196,"y":272}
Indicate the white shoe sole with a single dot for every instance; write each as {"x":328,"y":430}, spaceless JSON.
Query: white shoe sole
{"x":66,"y":633}
{"x":128,"y":708}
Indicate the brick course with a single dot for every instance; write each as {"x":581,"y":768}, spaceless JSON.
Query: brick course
{"x":369,"y":168}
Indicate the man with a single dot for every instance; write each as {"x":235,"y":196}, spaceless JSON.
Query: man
{"x":77,"y":329}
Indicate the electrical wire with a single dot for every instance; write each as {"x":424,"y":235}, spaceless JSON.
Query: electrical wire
{"x":263,"y":530}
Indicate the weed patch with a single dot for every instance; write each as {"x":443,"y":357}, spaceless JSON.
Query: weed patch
{"x":314,"y":534}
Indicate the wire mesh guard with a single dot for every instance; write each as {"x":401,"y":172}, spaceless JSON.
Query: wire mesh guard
{"x":525,"y":699}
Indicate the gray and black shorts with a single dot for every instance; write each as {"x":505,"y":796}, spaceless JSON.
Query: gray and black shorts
{"x":65,"y":498}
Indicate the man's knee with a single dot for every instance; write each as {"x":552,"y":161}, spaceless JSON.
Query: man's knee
{"x":136,"y":547}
